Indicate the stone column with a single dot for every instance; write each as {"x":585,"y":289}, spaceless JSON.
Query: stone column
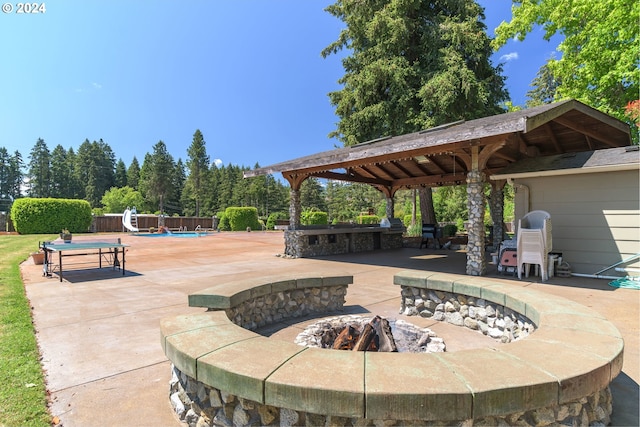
{"x":476,"y":263}
{"x":295,"y":209}
{"x":496,"y":204}
{"x":390,"y":207}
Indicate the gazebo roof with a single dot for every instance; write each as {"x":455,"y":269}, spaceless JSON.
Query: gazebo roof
{"x":442,"y":155}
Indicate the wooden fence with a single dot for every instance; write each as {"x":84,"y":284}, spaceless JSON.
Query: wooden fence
{"x":113,"y":223}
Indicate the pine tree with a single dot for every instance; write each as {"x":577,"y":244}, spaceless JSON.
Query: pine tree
{"x":156,"y":176}
{"x":16,"y":177}
{"x":40,"y":170}
{"x":5,"y":172}
{"x":544,"y":87}
{"x":133,"y":174}
{"x":95,"y":169}
{"x":312,"y":195}
{"x":121,"y":174}
{"x":198,"y":166}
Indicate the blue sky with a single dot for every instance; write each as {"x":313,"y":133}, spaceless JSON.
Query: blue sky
{"x":247,"y":73}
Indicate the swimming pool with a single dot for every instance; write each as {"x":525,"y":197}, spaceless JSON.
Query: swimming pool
{"x":176,"y":234}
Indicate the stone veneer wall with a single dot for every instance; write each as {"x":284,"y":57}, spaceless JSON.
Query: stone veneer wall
{"x":271,"y":308}
{"x":305,"y":243}
{"x":200,"y":405}
{"x":494,"y":320}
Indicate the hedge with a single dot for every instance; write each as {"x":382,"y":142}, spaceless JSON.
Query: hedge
{"x":368,"y":219}
{"x":48,"y":215}
{"x":242,"y":218}
{"x":312,"y":217}
{"x":271,"y":220}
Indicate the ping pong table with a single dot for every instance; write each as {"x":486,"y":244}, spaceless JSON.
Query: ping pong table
{"x":109,"y":252}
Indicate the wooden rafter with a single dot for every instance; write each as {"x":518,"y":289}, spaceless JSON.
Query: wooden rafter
{"x":402,"y":168}
{"x":552,"y":138}
{"x":586,"y":131}
{"x":440,"y":168}
{"x":352,"y":178}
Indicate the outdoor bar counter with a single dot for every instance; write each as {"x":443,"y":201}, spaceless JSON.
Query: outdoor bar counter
{"x":340,"y":239}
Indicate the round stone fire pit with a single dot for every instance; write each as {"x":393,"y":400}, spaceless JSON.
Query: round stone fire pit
{"x":407,"y":337}
{"x":552,"y":362}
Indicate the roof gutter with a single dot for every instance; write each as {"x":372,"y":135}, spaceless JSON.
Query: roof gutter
{"x":573,"y":171}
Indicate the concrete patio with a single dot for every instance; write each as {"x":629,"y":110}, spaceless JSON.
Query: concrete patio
{"x":99,"y":331}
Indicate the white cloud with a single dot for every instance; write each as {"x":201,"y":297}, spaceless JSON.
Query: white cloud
{"x":96,"y":85}
{"x":217,"y":162}
{"x":509,"y":56}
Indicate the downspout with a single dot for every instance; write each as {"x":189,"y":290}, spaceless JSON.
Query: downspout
{"x":526,"y":193}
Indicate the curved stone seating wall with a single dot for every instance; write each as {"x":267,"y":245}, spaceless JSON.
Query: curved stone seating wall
{"x":227,"y":375}
{"x":253,"y":305}
{"x":494,"y":320}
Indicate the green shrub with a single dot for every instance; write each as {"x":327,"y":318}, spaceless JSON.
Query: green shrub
{"x":449,"y":230}
{"x":313,"y":217}
{"x":223,"y":222}
{"x":273,"y":216}
{"x":368,"y":219}
{"x":414,"y":230}
{"x":46,"y":215}
{"x":406,"y":220}
{"x":242,"y":218}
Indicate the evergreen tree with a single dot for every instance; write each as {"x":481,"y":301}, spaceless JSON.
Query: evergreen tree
{"x":239,"y":192}
{"x":277,"y":197}
{"x":63,"y":181}
{"x":157,"y":175}
{"x":94,"y":168}
{"x":337,"y":204}
{"x":5,"y":173}
{"x":265,"y":193}
{"x":312,"y":195}
{"x":15,"y":176}
{"x":198,"y":166}
{"x":133,"y":174}
{"x":414,"y":64}
{"x":76,"y":187}
{"x":544,"y":87}
{"x":121,"y":174}
{"x":174,"y":205}
{"x":226,"y":182}
{"x":145,"y":176}
{"x":39,"y":170}
{"x":211,"y":203}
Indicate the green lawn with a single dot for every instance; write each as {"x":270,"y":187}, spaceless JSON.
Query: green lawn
{"x":23,"y":395}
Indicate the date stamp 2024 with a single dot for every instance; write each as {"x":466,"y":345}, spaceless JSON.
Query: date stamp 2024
{"x":24,"y":8}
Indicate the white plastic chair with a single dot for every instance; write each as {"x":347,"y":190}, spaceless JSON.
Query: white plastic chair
{"x":531,"y":250}
{"x":538,"y":220}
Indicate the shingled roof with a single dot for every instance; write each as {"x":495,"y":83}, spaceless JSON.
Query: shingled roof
{"x":621,"y":158}
{"x":442,"y":155}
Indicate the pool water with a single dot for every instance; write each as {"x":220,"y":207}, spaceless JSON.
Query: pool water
{"x":174,"y":234}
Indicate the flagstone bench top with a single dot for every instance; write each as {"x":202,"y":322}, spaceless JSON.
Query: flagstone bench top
{"x":573,"y":353}
{"x":231,"y":294}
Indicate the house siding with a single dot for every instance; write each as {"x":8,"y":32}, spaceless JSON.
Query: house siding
{"x":595,"y":217}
